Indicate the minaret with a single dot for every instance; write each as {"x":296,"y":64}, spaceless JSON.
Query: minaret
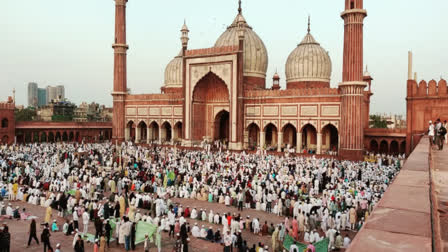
{"x":353,"y":85}
{"x":276,"y":81}
{"x":120,"y":79}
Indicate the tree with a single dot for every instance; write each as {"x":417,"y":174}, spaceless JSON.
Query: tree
{"x":377,"y":122}
{"x":27,"y":114}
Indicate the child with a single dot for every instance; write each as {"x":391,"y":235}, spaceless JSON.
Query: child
{"x":54,"y":226}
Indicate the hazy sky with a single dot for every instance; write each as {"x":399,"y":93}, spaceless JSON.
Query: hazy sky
{"x":69,"y":42}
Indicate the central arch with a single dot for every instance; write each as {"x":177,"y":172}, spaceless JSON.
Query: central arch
{"x":253,"y":134}
{"x":309,"y":138}
{"x":210,"y":92}
{"x":222,"y":126}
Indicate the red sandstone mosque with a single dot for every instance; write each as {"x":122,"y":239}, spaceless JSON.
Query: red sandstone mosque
{"x":220,"y":93}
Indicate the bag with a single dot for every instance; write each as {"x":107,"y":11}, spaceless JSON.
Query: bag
{"x":442,"y":131}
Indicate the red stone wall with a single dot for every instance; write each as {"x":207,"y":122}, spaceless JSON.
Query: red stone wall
{"x":7,"y":123}
{"x":425,"y":102}
{"x":254,"y":83}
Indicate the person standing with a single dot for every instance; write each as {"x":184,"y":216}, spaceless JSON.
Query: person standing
{"x":79,"y":245}
{"x":32,"y":232}
{"x":431,"y":133}
{"x":6,"y":237}
{"x":45,"y":238}
{"x":133,"y":234}
{"x":108,"y":231}
{"x":102,"y":244}
{"x":158,"y":241}
{"x":85,"y":221}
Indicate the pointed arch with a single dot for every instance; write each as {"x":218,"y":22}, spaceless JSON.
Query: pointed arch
{"x":289,"y":135}
{"x":309,"y":138}
{"x":271,"y":134}
{"x":374,"y":146}
{"x":330,"y":138}
{"x":167,"y":133}
{"x":253,"y":134}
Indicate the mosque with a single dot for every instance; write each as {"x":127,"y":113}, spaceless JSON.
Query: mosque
{"x":220,"y":93}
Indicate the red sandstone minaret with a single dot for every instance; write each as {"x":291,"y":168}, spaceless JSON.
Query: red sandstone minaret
{"x":353,"y":85}
{"x":120,"y":79}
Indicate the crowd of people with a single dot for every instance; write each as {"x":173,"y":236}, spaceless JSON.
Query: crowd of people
{"x":116,"y":187}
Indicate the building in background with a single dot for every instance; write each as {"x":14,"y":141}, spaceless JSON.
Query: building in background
{"x":32,"y":94}
{"x":41,"y":97}
{"x":56,"y":93}
{"x":92,"y":112}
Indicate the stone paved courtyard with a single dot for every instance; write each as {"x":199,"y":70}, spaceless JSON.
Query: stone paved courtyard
{"x":19,"y":230}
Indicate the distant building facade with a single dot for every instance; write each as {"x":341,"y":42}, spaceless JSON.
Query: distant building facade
{"x":32,"y":94}
{"x":56,"y":93}
{"x":393,"y":121}
{"x":41,"y":97}
{"x":92,"y":112}
{"x":7,"y":121}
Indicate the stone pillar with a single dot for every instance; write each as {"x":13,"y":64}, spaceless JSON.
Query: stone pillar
{"x":148,"y":134}
{"x":160,"y":135}
{"x":127,"y":133}
{"x":279,"y":141}
{"x":138,"y":134}
{"x":262,"y":136}
{"x":319,"y":143}
{"x":299,"y":142}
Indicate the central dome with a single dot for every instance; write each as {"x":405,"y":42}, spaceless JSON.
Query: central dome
{"x":255,"y":53}
{"x":309,"y":65}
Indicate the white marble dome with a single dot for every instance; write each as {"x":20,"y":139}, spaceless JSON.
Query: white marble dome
{"x":173,"y":72}
{"x":308,"y":62}
{"x":255,"y":53}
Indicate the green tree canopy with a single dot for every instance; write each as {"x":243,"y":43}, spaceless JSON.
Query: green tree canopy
{"x":377,"y":122}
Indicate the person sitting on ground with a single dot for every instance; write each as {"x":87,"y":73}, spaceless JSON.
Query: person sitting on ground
{"x":54,"y":226}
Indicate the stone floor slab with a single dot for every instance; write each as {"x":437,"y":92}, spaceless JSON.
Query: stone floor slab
{"x":399,"y":221}
{"x":370,"y":240}
{"x":407,"y":198}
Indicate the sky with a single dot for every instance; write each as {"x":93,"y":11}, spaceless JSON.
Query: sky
{"x":68,"y":42}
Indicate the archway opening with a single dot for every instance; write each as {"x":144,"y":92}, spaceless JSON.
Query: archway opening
{"x":130,"y":131}
{"x":271,"y":137}
{"x":5,"y":123}
{"x":253,"y":132}
{"x":43,"y":137}
{"x":209,"y":91}
{"x":57,"y":138}
{"x":78,"y":137}
{"x":153,"y":132}
{"x":309,"y":138}
{"x":142,"y":132}
{"x":394,"y":148}
{"x":64,"y":137}
{"x":384,"y":148}
{"x":36,"y":137}
{"x":289,"y":136}
{"x":166,"y":132}
{"x":51,"y":137}
{"x":374,"y":146}
{"x":222,"y":126}
{"x":330,"y":138}
{"x":27,"y":137}
{"x":403,"y":147}
{"x":177,"y":132}
{"x":71,"y":136}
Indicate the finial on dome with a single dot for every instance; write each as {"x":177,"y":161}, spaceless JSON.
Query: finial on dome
{"x":309,"y":23}
{"x":240,"y":10}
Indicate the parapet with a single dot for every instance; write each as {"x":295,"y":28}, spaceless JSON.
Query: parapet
{"x":423,"y":89}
